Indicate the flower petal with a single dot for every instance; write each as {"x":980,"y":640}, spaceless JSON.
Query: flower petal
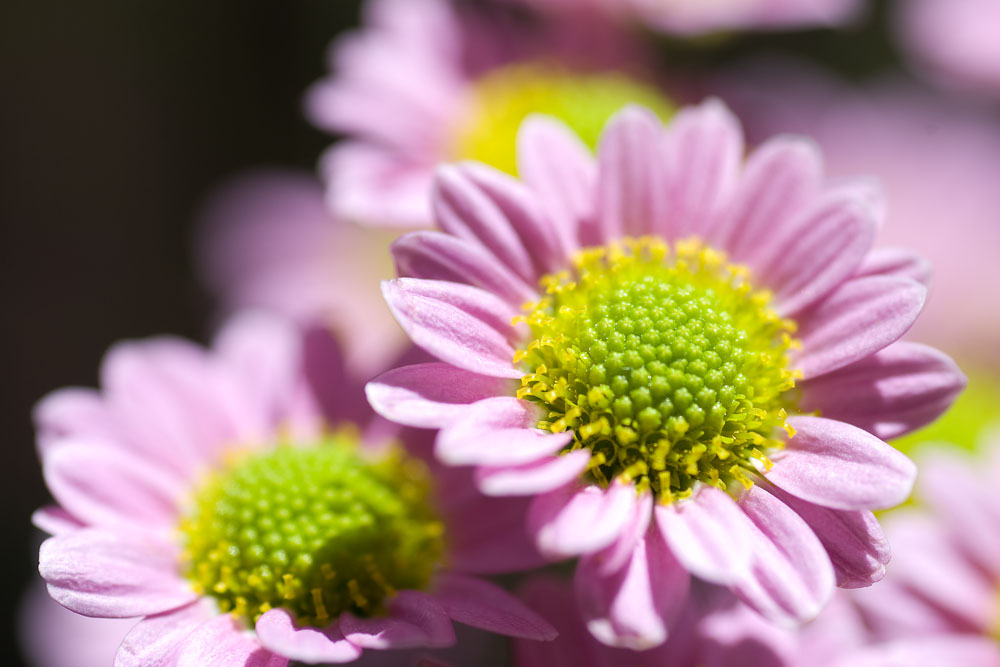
{"x":709,"y":534}
{"x":943,"y":651}
{"x":156,"y":640}
{"x":532,"y":478}
{"x":790,"y":577}
{"x":488,"y":536}
{"x":430,"y":395}
{"x":837,"y":465}
{"x":97,"y":573}
{"x":573,"y":521}
{"x":450,"y":332}
{"x":497,"y":431}
{"x":860,"y":318}
{"x":277,"y":632}
{"x":221,"y":642}
{"x":54,"y":520}
{"x":480,"y":604}
{"x":890,"y":393}
{"x":898,"y":262}
{"x":72,"y":412}
{"x":412,"y":619}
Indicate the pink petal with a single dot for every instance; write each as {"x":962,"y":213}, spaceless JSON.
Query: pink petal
{"x":450,"y":332}
{"x":709,"y":534}
{"x":790,"y":578}
{"x":480,"y":604}
{"x":157,"y":640}
{"x":560,"y":169}
{"x":497,"y":431}
{"x":819,"y":250}
{"x":221,"y":642}
{"x":854,"y":541}
{"x":943,"y":651}
{"x":462,"y":209}
{"x":106,"y":486}
{"x":412,"y":619}
{"x":574,"y":521}
{"x":437,"y":256}
{"x":277,"y":632}
{"x":574,"y":647}
{"x":837,"y":465}
{"x":634,"y":607}
{"x":780,"y":177}
{"x":98,"y":573}
{"x":532,"y":478}
{"x":54,"y":520}
{"x":430,"y":395}
{"x":860,"y":318}
{"x":631,"y":174}
{"x":897,"y":262}
{"x":615,"y":557}
{"x":488,"y":536}
{"x":72,"y":412}
{"x":890,"y":393}
{"x":704,"y":151}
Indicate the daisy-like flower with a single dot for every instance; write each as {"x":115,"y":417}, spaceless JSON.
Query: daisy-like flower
{"x":426,"y":82}
{"x":203,"y":493}
{"x":696,"y":17}
{"x":688,"y":359}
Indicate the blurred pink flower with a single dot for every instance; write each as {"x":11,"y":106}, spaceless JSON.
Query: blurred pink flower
{"x":269,"y":242}
{"x":956,"y":42}
{"x":694,"y":17}
{"x":937,"y":162}
{"x":427,"y":81}
{"x":130,"y":467}
{"x":582,"y":419}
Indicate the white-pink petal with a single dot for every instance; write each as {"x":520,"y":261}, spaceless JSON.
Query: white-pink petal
{"x":532,"y":478}
{"x":222,"y":642}
{"x":411,"y":619}
{"x":277,"y":632}
{"x":573,"y":521}
{"x":481,"y":604}
{"x":898,"y":262}
{"x":156,"y":640}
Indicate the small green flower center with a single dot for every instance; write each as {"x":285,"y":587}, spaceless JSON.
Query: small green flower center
{"x":584,"y":101}
{"x":317,"y":531}
{"x":664,"y":362}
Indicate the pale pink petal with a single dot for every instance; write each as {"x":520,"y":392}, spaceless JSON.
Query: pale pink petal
{"x":559,"y":168}
{"x":860,"y":318}
{"x":437,"y":256}
{"x":54,"y":520}
{"x":463,"y":209}
{"x":478,"y":303}
{"x":779,"y":179}
{"x":791,"y":577}
{"x":488,"y":536}
{"x":634,"y":607}
{"x":631,"y":196}
{"x":819,"y":250}
{"x":479,"y":603}
{"x":574,"y":521}
{"x":532,"y":478}
{"x":221,"y":642}
{"x":98,"y":573}
{"x":704,"y":151}
{"x":106,"y":486}
{"x":615,"y":557}
{"x":157,"y":640}
{"x":497,"y":431}
{"x":709,"y":534}
{"x":837,"y":465}
{"x":890,"y":393}
{"x":944,"y":651}
{"x":854,"y":541}
{"x":412,"y":619}
{"x":277,"y":632}
{"x":72,"y":412}
{"x":898,"y":262}
{"x":449,"y":332}
{"x":430,"y":395}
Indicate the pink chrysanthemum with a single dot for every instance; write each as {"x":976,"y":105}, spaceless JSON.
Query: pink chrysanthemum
{"x":687,"y":310}
{"x":202,"y":492}
{"x":428,"y":81}
{"x":695,"y":17}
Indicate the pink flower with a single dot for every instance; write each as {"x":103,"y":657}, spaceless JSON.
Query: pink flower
{"x":936,"y":161}
{"x":269,"y":242}
{"x":686,"y":308}
{"x":427,"y":81}
{"x":694,"y":17}
{"x":201,"y":482}
{"x":954,"y":41}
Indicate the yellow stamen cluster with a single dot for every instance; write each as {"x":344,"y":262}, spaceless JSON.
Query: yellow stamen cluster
{"x":665,"y":363}
{"x":317,"y":531}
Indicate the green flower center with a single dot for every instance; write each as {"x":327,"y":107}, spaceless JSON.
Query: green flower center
{"x":584,"y":101}
{"x":664,"y":362}
{"x":317,"y":531}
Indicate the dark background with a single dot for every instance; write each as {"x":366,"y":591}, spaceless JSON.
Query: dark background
{"x":117,"y":118}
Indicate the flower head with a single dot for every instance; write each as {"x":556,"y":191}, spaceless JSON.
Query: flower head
{"x":689,"y":316}
{"x":215,"y":493}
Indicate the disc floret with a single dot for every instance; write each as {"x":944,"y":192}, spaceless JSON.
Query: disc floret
{"x":665,"y":362}
{"x":316,"y":530}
